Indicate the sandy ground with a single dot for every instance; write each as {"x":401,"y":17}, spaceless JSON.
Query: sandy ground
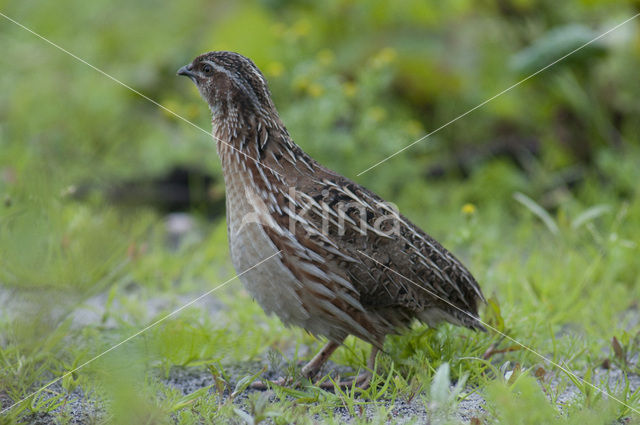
{"x":84,"y":408}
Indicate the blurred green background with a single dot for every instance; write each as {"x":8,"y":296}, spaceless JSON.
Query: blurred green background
{"x":537,"y":190}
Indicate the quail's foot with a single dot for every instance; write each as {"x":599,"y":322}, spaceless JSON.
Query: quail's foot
{"x":311,"y":370}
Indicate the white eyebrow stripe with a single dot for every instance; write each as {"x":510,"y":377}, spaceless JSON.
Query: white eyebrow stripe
{"x":257,"y":73}
{"x":248,"y":90}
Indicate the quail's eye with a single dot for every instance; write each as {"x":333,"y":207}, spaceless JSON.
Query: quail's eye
{"x":207,"y":69}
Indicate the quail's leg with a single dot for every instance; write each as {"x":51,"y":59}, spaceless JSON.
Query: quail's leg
{"x":363,"y":380}
{"x":309,"y":370}
{"x":312,"y":368}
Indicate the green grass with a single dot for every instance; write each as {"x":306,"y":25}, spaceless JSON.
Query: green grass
{"x":564,"y":294}
{"x":557,"y":262}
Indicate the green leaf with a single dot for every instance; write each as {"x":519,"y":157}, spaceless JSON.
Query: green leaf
{"x":536,"y":209}
{"x":190,"y":398}
{"x":590,"y":214}
{"x":554,"y":45}
{"x":244,"y":383}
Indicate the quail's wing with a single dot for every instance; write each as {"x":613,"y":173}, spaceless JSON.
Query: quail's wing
{"x":390,"y":261}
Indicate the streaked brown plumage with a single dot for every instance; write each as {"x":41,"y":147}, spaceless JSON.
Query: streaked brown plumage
{"x":349,"y":264}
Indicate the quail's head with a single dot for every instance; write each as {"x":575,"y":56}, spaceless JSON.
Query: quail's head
{"x":229,"y":81}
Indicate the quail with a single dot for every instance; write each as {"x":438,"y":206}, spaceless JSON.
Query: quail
{"x":346,"y":262}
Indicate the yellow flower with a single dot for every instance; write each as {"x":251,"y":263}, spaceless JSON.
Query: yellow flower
{"x":192,"y":111}
{"x":349,"y":88}
{"x":301,"y":28}
{"x":325,"y":56}
{"x":315,"y":89}
{"x":179,"y":109}
{"x":384,"y":56}
{"x":414,"y":128}
{"x":377,"y":113}
{"x":275,"y":69}
{"x":468,"y":209}
{"x":300,"y":83}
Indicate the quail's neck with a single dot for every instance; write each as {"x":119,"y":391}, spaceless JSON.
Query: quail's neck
{"x":248,"y":136}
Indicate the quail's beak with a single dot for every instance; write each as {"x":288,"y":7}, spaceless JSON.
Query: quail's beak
{"x":186,"y":71}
